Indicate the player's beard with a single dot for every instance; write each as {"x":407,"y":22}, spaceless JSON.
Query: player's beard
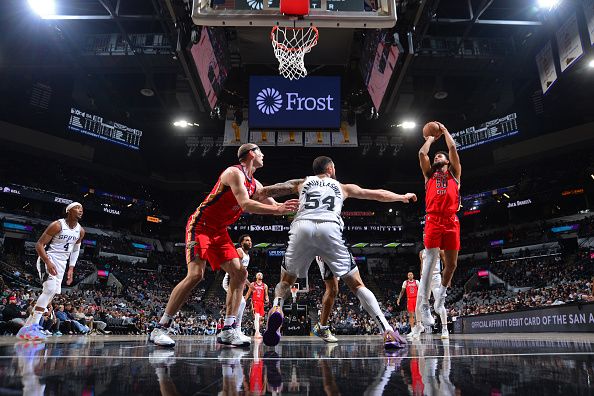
{"x":438,"y":165}
{"x":245,"y":247}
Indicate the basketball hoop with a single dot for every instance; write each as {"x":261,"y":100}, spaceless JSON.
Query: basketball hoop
{"x":294,"y":292}
{"x":290,"y":45}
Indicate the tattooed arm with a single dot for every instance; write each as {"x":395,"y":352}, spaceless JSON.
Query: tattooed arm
{"x":290,"y":187}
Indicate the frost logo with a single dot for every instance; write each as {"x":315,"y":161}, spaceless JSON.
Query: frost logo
{"x":256,"y":4}
{"x":269,"y":101}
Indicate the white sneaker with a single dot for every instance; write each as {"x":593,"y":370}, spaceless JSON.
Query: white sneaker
{"x":445,"y":334}
{"x":162,"y":357}
{"x":426,"y":316}
{"x":232,"y":337}
{"x":160,"y":337}
{"x":243,"y":336}
{"x":415,"y":334}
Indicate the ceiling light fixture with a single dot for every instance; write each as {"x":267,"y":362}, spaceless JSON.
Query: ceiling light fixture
{"x":43,"y":8}
{"x":184,"y":124}
{"x":505,"y":195}
{"x":147,"y":92}
{"x":407,"y":125}
{"x":591,"y":63}
{"x":548,"y":4}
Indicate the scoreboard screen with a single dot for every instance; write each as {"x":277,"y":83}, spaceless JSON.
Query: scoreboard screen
{"x":486,"y":132}
{"x":97,"y":127}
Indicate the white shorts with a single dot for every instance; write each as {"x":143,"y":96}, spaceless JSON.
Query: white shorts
{"x":51,"y":282}
{"x":435,"y":283}
{"x":308,"y":239}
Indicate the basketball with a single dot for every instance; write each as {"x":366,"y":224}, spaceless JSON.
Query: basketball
{"x":432,"y":129}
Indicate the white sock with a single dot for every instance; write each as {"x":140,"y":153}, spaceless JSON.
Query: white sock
{"x":166,"y":319}
{"x":256,"y":324}
{"x":240,"y":312}
{"x":370,"y":304}
{"x":278,"y":302}
{"x":431,"y":257}
{"x":34,"y":318}
{"x":229,"y":320}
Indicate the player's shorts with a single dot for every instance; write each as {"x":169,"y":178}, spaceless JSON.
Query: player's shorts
{"x":256,"y":378}
{"x":442,"y":232}
{"x":212,"y":245}
{"x":258,"y":307}
{"x":325,"y":271}
{"x":308,"y":239}
{"x":52,"y":284}
{"x":411,"y":304}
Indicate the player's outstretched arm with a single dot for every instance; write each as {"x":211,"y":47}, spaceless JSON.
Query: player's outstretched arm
{"x":354,"y":191}
{"x":290,"y":187}
{"x":452,"y":152}
{"x":424,"y":157}
{"x":235,"y":179}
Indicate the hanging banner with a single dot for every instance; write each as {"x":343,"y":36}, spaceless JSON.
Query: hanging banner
{"x":290,"y":138}
{"x":235,"y":135}
{"x":346,"y":137}
{"x":317,"y":139}
{"x":569,"y":43}
{"x":546,"y":67}
{"x":589,"y":13}
{"x":262,"y":138}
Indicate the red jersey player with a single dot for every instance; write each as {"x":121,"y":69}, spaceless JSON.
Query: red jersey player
{"x":411,"y":286}
{"x":207,"y":239}
{"x":259,"y":292}
{"x":442,"y":228}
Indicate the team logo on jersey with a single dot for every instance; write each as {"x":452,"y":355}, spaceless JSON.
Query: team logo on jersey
{"x":269,"y":101}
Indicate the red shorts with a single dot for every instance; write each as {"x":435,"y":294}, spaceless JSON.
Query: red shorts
{"x":442,"y":232}
{"x":411,"y":304}
{"x":256,"y":378}
{"x":258,"y":307}
{"x":212,"y":245}
{"x":417,"y":378}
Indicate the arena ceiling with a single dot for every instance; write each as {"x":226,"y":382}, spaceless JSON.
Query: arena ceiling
{"x":480,"y":53}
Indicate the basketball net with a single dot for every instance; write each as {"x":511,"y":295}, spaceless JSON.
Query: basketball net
{"x":294,"y":293}
{"x":290,"y":46}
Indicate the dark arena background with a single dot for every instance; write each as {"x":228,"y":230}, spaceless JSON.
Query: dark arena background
{"x":134,"y":108}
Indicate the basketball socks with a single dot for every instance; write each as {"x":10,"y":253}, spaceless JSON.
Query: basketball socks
{"x":431,"y":257}
{"x":323,"y":327}
{"x":240,"y":312}
{"x":229,"y":320}
{"x":370,"y":304}
{"x":256,"y":324}
{"x":281,"y":291}
{"x":34,"y":318}
{"x":278,"y":302}
{"x":166,"y":320}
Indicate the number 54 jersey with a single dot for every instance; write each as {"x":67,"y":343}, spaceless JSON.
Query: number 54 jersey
{"x":320,"y":200}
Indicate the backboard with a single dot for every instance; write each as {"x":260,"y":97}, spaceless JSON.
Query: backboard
{"x":362,"y":14}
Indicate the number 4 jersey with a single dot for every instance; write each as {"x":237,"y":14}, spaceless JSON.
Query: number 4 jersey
{"x":63,"y":242}
{"x":320,"y":199}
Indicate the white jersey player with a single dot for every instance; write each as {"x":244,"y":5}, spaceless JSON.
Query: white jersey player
{"x":58,"y":248}
{"x":435,"y":283}
{"x":317,"y":231}
{"x":245,"y":244}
